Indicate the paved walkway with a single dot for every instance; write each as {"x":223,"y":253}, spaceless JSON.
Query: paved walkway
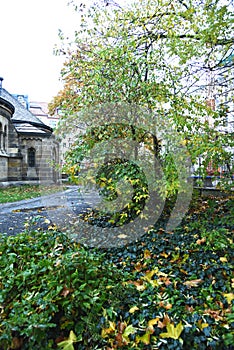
{"x":43,"y":212}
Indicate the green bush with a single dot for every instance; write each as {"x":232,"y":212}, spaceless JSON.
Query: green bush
{"x":50,"y":286}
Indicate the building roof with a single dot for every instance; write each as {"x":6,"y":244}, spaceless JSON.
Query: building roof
{"x":22,"y":114}
{"x":7,"y":104}
{"x":39,"y":109}
{"x":26,"y":128}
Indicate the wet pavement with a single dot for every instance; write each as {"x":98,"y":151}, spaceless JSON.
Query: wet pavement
{"x":60,"y":210}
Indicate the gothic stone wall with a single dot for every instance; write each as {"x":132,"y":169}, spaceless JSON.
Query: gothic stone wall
{"x":9,"y":153}
{"x":3,"y":168}
{"x":46,"y":153}
{"x":25,"y":156}
{"x":14,"y":155}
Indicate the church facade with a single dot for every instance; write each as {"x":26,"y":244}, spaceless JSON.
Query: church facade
{"x":28,"y":149}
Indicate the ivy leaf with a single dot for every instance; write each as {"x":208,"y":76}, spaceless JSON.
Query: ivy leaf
{"x":172,"y":331}
{"x":68,"y":344}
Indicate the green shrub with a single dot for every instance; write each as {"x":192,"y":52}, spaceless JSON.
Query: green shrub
{"x":50,"y":286}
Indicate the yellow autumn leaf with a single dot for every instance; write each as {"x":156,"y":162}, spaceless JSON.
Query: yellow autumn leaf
{"x":106,"y":331}
{"x":229,"y":297}
{"x":172,"y":331}
{"x":145,"y":339}
{"x":128,"y":330}
{"x":133,"y":309}
{"x":201,"y":326}
{"x":147,"y":254}
{"x":154,"y":283}
{"x":148,"y":276}
{"x":223,"y":259}
{"x":153,"y":321}
{"x":52,"y":227}
{"x":140,"y":288}
{"x":204,"y":325}
{"x":184,"y":142}
{"x":112,"y":325}
{"x":165,"y":255}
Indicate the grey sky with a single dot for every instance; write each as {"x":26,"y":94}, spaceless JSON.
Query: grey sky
{"x":28,"y":34}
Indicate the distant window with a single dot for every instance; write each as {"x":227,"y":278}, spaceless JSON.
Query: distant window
{"x":31,"y":157}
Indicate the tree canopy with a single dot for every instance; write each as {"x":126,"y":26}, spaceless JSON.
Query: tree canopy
{"x":172,"y":58}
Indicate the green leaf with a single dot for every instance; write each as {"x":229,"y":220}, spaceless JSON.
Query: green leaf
{"x":68,"y":344}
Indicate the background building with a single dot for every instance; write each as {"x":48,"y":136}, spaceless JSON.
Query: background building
{"x":28,"y":148}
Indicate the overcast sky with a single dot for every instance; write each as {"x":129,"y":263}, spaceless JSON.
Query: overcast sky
{"x":28,"y":34}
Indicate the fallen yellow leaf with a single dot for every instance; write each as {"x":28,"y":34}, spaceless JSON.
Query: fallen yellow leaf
{"x":153,"y":321}
{"x":145,"y":339}
{"x":148,"y":276}
{"x":172,"y":331}
{"x":229,"y":297}
{"x":147,"y":254}
{"x":107,"y":331}
{"x":201,"y":325}
{"x":133,"y":309}
{"x":223,"y":259}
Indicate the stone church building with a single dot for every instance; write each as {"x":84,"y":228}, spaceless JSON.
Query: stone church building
{"x":28,"y":148}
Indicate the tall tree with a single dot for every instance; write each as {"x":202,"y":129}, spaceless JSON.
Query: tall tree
{"x":173,"y":58}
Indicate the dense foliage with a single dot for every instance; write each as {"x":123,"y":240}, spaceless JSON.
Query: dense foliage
{"x":175,"y":59}
{"x":171,"y":290}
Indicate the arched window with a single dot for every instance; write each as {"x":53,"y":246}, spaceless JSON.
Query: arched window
{"x":31,"y":157}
